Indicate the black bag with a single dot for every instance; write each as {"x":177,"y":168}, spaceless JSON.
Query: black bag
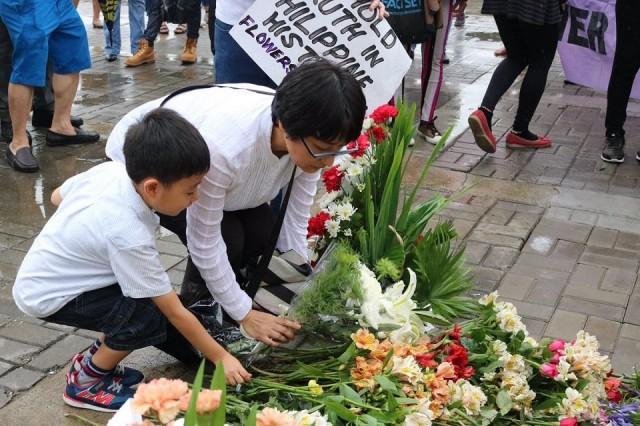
{"x":409,"y":21}
{"x":179,"y":11}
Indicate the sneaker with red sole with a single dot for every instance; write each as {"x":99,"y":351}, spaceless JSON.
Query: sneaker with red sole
{"x":517,"y":142}
{"x":128,"y":377}
{"x":106,"y":395}
{"x":482,"y":132}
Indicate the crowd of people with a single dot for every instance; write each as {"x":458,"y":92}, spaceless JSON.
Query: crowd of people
{"x":95,"y":264}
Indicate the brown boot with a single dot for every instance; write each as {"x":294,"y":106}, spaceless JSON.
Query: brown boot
{"x":189,"y":54}
{"x":144,"y":55}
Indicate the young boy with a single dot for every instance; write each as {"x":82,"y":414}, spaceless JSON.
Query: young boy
{"x":95,"y":264}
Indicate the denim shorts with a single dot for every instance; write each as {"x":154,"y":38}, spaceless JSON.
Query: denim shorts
{"x":127,"y":323}
{"x":43,"y":29}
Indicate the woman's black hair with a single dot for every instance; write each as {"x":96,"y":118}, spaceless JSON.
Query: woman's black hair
{"x":319,"y":99}
{"x":165,"y":146}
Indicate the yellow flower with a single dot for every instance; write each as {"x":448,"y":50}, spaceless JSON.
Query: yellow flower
{"x":315,"y":388}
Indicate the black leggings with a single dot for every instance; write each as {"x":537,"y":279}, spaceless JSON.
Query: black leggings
{"x":626,"y":64}
{"x":245,"y":233}
{"x":528,"y":46}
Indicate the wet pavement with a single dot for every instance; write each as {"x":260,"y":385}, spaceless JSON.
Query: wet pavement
{"x":555,"y":231}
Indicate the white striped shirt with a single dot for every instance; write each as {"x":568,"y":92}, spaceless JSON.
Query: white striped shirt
{"x":103,"y":233}
{"x":237,"y":126}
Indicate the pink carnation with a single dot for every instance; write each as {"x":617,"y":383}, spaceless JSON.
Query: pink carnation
{"x":569,"y":421}
{"x":161,"y":396}
{"x":549,"y":370}
{"x":273,"y":417}
{"x":208,"y":401}
{"x":557,"y":345}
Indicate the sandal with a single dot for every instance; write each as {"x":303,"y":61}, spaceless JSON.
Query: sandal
{"x":164,"y":28}
{"x":180,"y":29}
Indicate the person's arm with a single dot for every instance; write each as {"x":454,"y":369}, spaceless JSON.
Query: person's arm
{"x":294,"y":228}
{"x":209,"y":254}
{"x":56,"y":198}
{"x":188,"y":325}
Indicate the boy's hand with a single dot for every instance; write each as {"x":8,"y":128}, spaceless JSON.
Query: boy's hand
{"x":268,"y":328}
{"x":234,"y":372}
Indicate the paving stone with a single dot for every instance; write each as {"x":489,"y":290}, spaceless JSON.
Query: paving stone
{"x":520,"y":208}
{"x":630,"y":331}
{"x":514,"y":286}
{"x":4,"y":319}
{"x":524,"y":220}
{"x":485,"y":279}
{"x":545,"y":292}
{"x":463,"y":227}
{"x":610,"y":258}
{"x":12,"y":257}
{"x":565,"y":325}
{"x":633,"y":309}
{"x":567,"y":250}
{"x":501,"y":258}
{"x":532,"y":310}
{"x":4,"y":367}
{"x":20,"y":379}
{"x":8,"y":241}
{"x":511,"y":231}
{"x":16,"y":352}
{"x":601,"y":310}
{"x":605,"y":330}
{"x":60,"y":353}
{"x":30,"y":333}
{"x":168,"y":261}
{"x":496,"y":240}
{"x":93,"y":335}
{"x":5,"y":397}
{"x":586,"y":218}
{"x":619,"y":280}
{"x":558,"y":213}
{"x":59,"y":327}
{"x":602,"y":237}
{"x":19,"y":230}
{"x":561,"y":230}
{"x":498,"y":216}
{"x":535,"y":327}
{"x":550,"y":262}
{"x":627,"y":241}
{"x":541,"y":273}
{"x":540,"y":245}
{"x":625,"y":358}
{"x":595,"y":295}
{"x":474,"y":252}
{"x":167,"y":247}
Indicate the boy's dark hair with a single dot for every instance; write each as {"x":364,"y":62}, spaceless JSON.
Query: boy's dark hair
{"x":165,"y":146}
{"x":321,"y":100}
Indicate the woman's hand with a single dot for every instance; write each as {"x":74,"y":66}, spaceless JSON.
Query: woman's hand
{"x":234,"y":372}
{"x":268,"y":328}
{"x":382,"y":11}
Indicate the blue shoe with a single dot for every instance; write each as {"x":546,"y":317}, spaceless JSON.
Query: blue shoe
{"x":106,"y":395}
{"x":129,"y":377}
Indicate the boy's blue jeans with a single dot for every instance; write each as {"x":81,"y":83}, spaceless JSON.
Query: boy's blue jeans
{"x":113,"y":44}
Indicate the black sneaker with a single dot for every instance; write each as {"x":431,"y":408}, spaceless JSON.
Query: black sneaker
{"x":613,"y":151}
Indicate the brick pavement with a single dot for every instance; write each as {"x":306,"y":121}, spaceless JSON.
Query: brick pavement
{"x":556,"y":231}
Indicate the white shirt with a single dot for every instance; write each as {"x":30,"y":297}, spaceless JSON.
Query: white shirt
{"x":237,"y":125}
{"x":230,"y":11}
{"x":102,"y":233}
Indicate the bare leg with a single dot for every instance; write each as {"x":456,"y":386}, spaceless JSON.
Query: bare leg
{"x":96,"y":12}
{"x":65,"y":87}
{"x":107,"y":358}
{"x":20,"y":98}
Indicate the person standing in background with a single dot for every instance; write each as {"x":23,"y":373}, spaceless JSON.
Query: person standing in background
{"x":112,"y":40}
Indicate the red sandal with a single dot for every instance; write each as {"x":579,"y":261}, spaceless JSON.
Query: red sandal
{"x":518,"y":142}
{"x":481,"y":131}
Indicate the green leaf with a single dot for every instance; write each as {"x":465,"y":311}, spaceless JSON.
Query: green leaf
{"x":219,"y":383}
{"x":489,"y":414}
{"x":348,"y":354}
{"x":546,"y":404}
{"x":385,"y":383}
{"x":191,"y":417}
{"x":340,"y":410}
{"x":350,"y":394}
{"x":504,"y":403}
{"x":251,"y":418}
{"x":367,"y":420}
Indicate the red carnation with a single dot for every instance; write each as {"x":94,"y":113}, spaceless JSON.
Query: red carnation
{"x":612,"y":385}
{"x":426,"y":360}
{"x":457,"y":355}
{"x":464,"y":373}
{"x":362,"y":143}
{"x":377,"y":133}
{"x":332,"y":179}
{"x":316,"y":225}
{"x":456,"y":333}
{"x":383,"y":113}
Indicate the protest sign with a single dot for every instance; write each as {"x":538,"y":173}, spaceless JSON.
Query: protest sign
{"x":279,"y":34}
{"x":588,"y":42}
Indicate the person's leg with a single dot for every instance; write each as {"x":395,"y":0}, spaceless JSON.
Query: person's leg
{"x":96,"y":14}
{"x":541,"y":41}
{"x":145,"y":53}
{"x":189,"y":54}
{"x":5,"y":74}
{"x":211,"y":25}
{"x":136,"y":23}
{"x":20,"y":100}
{"x":112,"y":41}
{"x":43,"y":97}
{"x":231,"y":62}
{"x":258,"y":226}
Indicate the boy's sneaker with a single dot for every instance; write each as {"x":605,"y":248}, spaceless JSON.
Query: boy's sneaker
{"x":613,"y":151}
{"x":428,"y":130}
{"x":106,"y":395}
{"x":129,"y":377}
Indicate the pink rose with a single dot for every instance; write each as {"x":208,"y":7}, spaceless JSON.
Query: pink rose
{"x":569,"y":421}
{"x":557,"y":345}
{"x":549,"y":370}
{"x":555,"y":359}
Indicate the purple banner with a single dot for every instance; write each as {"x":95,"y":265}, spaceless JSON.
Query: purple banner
{"x":588,"y":43}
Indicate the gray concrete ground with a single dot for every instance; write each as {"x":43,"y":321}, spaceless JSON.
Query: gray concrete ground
{"x":556,"y":231}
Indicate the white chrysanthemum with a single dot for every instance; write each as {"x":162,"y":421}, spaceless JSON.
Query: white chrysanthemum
{"x":332,"y":227}
{"x":488,"y":299}
{"x":354,"y":170}
{"x":305,"y":418}
{"x":360,"y":187}
{"x":344,"y":210}
{"x":406,"y":369}
{"x":347,"y":232}
{"x":328,"y":198}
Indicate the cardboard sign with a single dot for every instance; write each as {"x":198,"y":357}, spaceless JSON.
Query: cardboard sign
{"x":279,"y":34}
{"x":588,"y":44}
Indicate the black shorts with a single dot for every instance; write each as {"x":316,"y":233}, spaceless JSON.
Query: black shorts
{"x":127,"y":323}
